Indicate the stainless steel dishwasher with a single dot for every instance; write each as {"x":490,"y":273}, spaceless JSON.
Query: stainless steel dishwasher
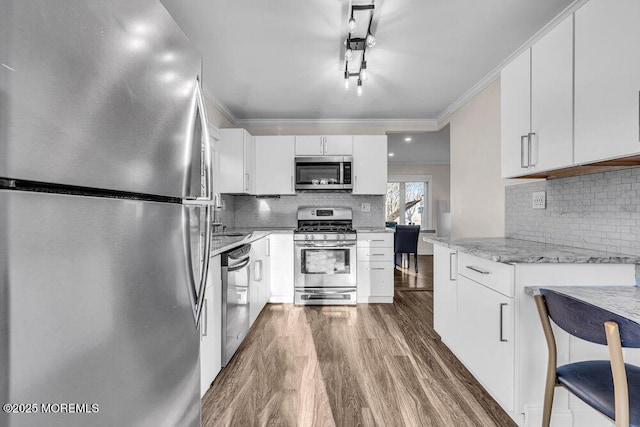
{"x":235,"y":299}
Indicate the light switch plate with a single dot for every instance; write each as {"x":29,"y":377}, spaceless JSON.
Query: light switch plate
{"x":540,"y":200}
{"x":365,"y":207}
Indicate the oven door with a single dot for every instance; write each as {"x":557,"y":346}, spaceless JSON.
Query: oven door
{"x":319,"y":173}
{"x":325,"y":265}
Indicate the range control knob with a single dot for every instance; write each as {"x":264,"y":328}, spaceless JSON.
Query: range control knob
{"x":340,"y":236}
{"x":325,"y":237}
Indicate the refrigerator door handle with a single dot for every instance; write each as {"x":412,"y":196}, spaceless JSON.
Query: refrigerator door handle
{"x":197,"y":293}
{"x":206,"y":140}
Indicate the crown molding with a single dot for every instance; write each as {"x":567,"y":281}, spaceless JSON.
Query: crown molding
{"x":424,"y":124}
{"x":219,"y":105}
{"x":444,"y":117}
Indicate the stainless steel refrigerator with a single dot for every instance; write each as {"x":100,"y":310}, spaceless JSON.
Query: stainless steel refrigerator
{"x":102,"y":128}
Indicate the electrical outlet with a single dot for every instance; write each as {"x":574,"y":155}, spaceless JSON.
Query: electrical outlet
{"x":365,"y":207}
{"x":540,"y":200}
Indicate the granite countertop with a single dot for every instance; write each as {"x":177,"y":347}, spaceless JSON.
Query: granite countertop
{"x":621,"y":300}
{"x":524,"y":251}
{"x":222,"y":243}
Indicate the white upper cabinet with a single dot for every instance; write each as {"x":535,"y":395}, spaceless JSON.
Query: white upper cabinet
{"x":274,"y":165}
{"x":515,"y":81}
{"x":236,"y":162}
{"x":607,"y":80}
{"x":370,"y":164}
{"x":537,"y":106}
{"x":551,"y":135}
{"x":331,"y":145}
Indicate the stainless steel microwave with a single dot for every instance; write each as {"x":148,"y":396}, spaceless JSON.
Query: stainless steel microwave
{"x":324,"y":173}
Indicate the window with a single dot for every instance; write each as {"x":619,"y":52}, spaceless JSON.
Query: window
{"x":408,"y":201}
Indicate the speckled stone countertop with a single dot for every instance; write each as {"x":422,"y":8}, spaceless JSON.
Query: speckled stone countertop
{"x":621,"y":300}
{"x":524,"y":251}
{"x":222,"y":242}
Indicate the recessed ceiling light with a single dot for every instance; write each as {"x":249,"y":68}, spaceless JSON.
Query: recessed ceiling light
{"x":390,"y":154}
{"x":408,"y":139}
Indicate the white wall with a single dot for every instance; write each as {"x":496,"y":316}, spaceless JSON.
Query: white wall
{"x":477,"y":191}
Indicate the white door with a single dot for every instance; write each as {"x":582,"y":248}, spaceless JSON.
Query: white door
{"x":485,"y":338}
{"x":607,"y":79}
{"x":281,"y":248}
{"x":309,"y":145}
{"x":445,"y":295}
{"x":515,"y":107}
{"x":370,"y":164}
{"x":552,"y":99}
{"x":338,"y":145}
{"x":211,"y":329}
{"x":231,"y":178}
{"x":274,"y":165}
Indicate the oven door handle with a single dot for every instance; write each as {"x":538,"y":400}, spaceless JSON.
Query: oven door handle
{"x":324,"y":292}
{"x":326,"y":246}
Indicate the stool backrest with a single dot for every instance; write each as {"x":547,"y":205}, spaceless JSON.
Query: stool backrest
{"x":406,"y":238}
{"x":586,"y":321}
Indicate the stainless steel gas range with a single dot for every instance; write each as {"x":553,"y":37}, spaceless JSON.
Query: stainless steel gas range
{"x":325,"y":257}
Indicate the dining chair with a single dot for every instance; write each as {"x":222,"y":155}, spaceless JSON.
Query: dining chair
{"x":611,"y":387}
{"x":405,"y":241}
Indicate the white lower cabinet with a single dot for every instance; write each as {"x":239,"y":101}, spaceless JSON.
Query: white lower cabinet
{"x":211,"y":327}
{"x":260,"y":277}
{"x":486,"y":318}
{"x":485,"y":338}
{"x":375,"y":267}
{"x":281,"y":253}
{"x":445,"y":295}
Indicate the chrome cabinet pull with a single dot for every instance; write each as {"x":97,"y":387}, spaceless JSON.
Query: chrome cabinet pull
{"x":522,"y":151}
{"x":478,"y":269}
{"x":246,"y":178}
{"x":321,"y":145}
{"x":502,"y":305}
{"x":530,"y":144}
{"x":376,"y":268}
{"x":378,"y":240}
{"x":451,"y":269}
{"x":205,"y":321}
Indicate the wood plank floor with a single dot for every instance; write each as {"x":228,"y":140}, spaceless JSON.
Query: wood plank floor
{"x":408,"y":279}
{"x":374,"y":364}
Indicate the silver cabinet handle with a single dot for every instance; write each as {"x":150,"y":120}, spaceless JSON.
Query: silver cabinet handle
{"x":246,"y":178}
{"x":522,"y":151}
{"x":478,"y":269}
{"x":451,"y":269}
{"x":502,"y":339}
{"x":258,"y":268}
{"x":530,"y":144}
{"x":321,"y":145}
{"x":375,"y":240}
{"x":375,"y":254}
{"x":268,"y":247}
{"x":205,"y":321}
{"x":376,"y":268}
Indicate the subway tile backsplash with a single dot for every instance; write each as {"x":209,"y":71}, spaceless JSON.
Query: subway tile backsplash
{"x":249,"y":211}
{"x":595,"y":211}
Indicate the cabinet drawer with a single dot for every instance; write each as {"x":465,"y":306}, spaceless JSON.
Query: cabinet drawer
{"x":375,"y":240}
{"x":375,"y":254}
{"x":494,"y":275}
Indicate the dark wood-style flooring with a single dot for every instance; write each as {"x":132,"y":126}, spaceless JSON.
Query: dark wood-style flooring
{"x":408,"y":279}
{"x":374,"y":364}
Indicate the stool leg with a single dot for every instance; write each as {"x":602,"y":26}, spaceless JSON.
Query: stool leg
{"x":415,"y":261}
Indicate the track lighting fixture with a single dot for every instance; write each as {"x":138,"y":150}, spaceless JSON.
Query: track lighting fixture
{"x":355,"y":43}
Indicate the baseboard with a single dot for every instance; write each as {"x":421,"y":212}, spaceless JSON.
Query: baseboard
{"x":278,"y":299}
{"x":559,"y":418}
{"x":375,"y":300}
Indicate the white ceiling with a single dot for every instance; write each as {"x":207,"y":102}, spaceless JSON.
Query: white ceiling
{"x":424,"y":147}
{"x":283,"y":59}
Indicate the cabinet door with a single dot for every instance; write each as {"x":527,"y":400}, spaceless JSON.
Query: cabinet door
{"x":338,"y":145}
{"x":274,"y":165}
{"x":211,"y":329}
{"x":231,"y":151}
{"x":552,"y":99}
{"x":445,"y":295}
{"x":607,"y":79}
{"x":375,"y":281}
{"x":485,"y":338}
{"x":249,"y":162}
{"x":265,"y":287}
{"x":515,"y":107}
{"x":370,"y":164}
{"x":281,"y":268}
{"x":307,"y":145}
